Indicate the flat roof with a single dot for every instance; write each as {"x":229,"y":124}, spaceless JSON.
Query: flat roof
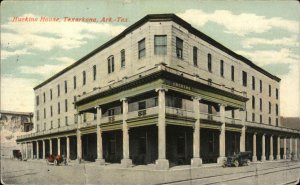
{"x":16,"y":113}
{"x":156,"y":18}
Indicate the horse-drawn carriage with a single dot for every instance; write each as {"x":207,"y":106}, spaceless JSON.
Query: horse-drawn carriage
{"x":56,"y":160}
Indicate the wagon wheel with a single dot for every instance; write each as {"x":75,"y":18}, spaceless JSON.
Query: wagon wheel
{"x":55,"y":162}
{"x":236,"y":163}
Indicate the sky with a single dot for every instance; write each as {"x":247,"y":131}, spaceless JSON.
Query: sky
{"x":266,"y":32}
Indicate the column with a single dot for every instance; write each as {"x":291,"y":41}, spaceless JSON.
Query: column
{"x":284,"y":148}
{"x":196,"y":160}
{"x":254,"y":157}
{"x":263,"y":148}
{"x":296,"y":148}
{"x":58,"y":146}
{"x":222,"y":157}
{"x":37,"y":150}
{"x":79,"y":145}
{"x":44,"y":151}
{"x":125,"y":162}
{"x":278,"y":148}
{"x":50,"y":146}
{"x":31,"y":150}
{"x":271,"y":157}
{"x":291,"y":148}
{"x":162,"y":163}
{"x":99,"y":159}
{"x":68,"y":148}
{"x":243,"y":131}
{"x":26,"y":151}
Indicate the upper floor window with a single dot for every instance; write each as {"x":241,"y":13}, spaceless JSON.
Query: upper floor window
{"x":50,"y":94}
{"x":160,"y":44}
{"x":58,"y":123}
{"x":260,"y":86}
{"x":277,"y":94}
{"x":253,"y":117}
{"x":179,"y":48}
{"x":66,"y":105}
{"x":253,"y":102}
{"x":253,"y":83}
{"x":44,"y":112}
{"x":277,"y":124}
{"x":195,"y":56}
{"x":142,"y":48}
{"x":44,"y":96}
{"x":37,"y":99}
{"x":66,"y":87}
{"x":111,"y":64}
{"x":260,"y":118}
{"x":209,"y":65}
{"x":58,"y":108}
{"x":74,"y":82}
{"x":123,"y":58}
{"x":58,"y":90}
{"x":277,"y":110}
{"x":37,"y":115}
{"x":244,"y":78}
{"x":270,"y":121}
{"x":232,"y":73}
{"x":222,"y":68}
{"x":75,"y":99}
{"x":94,"y":72}
{"x":51,"y":111}
{"x":270,"y":90}
{"x":83,"y":77}
{"x":270,"y":108}
{"x":260,"y":104}
{"x":66,"y":120}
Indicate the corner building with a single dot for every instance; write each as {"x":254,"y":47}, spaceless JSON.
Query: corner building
{"x":160,"y":92}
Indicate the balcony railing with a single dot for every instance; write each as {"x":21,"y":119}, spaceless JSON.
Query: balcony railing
{"x":233,"y":121}
{"x":179,"y":112}
{"x":88,"y":123}
{"x":143,"y":112}
{"x":208,"y":116}
{"x":110,"y":119}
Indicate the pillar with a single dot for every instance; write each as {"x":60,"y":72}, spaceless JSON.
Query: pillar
{"x":284,"y":148}
{"x":263,"y":148}
{"x":125,"y":162}
{"x":58,"y":146}
{"x":278,"y":148}
{"x":37,"y":150}
{"x":196,"y":160}
{"x":243,"y":131}
{"x":44,"y":151}
{"x":26,"y":151}
{"x":79,"y":145}
{"x":296,"y":148}
{"x":254,"y":157}
{"x":99,"y":159}
{"x":50,"y":146}
{"x":291,"y":148}
{"x":222,"y":157}
{"x":162,"y":163}
{"x":271,"y":157}
{"x":31,"y":150}
{"x":68,"y":147}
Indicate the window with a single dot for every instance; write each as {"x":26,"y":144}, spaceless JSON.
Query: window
{"x":38,"y":127}
{"x":253,"y":102}
{"x":277,"y":110}
{"x":160,"y":44}
{"x":232,"y":114}
{"x":253,"y":117}
{"x":270,"y":107}
{"x":37,"y":115}
{"x":270,"y":90}
{"x":66,"y":120}
{"x":244,"y":78}
{"x":51,"y":111}
{"x":94,"y":72}
{"x":270,"y":121}
{"x":260,"y":118}
{"x":44,"y":113}
{"x":37,"y":99}
{"x":277,"y":94}
{"x":253,"y":83}
{"x":222,"y":68}
{"x":232,"y":73}
{"x":260,"y":86}
{"x":83,"y":78}
{"x":209,"y":65}
{"x":74,"y":82}
{"x":195,"y":56}
{"x":142,"y":48}
{"x":84,"y":117}
{"x":179,"y":48}
{"x":111,"y":64}
{"x":111,"y":112}
{"x":66,"y":105}
{"x":50,"y":94}
{"x":75,"y":99}
{"x":142,"y":105}
{"x":122,"y":58}
{"x":66,"y":87}
{"x":277,"y":124}
{"x":260,"y":104}
{"x":75,"y":118}
{"x":44,"y":96}
{"x":58,"y":90}
{"x":58,"y":123}
{"x":44,"y":125}
{"x":58,"y":108}
{"x":51,"y":124}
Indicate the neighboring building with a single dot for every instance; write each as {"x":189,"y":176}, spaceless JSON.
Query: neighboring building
{"x":143,"y":96}
{"x":13,"y":124}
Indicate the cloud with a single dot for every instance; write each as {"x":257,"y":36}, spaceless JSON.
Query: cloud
{"x":47,"y":70}
{"x":289,"y":92}
{"x":262,"y":57}
{"x":6,"y":54}
{"x":46,"y":36}
{"x":17,"y":93}
{"x":239,"y":24}
{"x":285,"y":41}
